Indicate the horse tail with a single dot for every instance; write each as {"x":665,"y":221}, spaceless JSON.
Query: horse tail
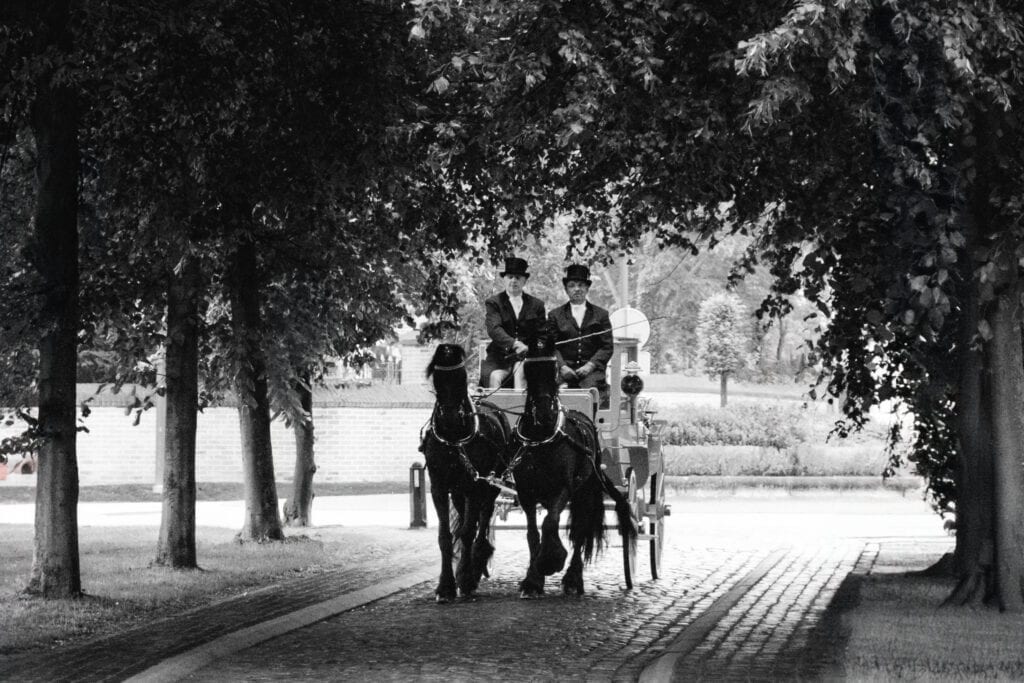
{"x":626,"y":525}
{"x":586,"y":511}
{"x":586,"y":518}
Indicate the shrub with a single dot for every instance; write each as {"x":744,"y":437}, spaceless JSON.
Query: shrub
{"x":768,"y":425}
{"x":738,"y":461}
{"x":741,"y":424}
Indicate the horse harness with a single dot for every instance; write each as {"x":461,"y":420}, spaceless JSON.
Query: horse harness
{"x":502,"y":482}
{"x":460,"y":445}
{"x":557,"y":436}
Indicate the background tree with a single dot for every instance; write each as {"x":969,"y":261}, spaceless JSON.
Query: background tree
{"x":935,"y":87}
{"x":40,"y":97}
{"x":721,"y":338}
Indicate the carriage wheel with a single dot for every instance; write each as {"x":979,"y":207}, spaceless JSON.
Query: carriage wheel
{"x":657,"y":523}
{"x":629,"y":543}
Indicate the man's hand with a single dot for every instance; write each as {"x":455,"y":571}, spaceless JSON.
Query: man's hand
{"x":585,"y":369}
{"x":519,"y":348}
{"x":567,"y":374}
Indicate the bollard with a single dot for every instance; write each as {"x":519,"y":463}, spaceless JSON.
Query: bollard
{"x":417,"y":497}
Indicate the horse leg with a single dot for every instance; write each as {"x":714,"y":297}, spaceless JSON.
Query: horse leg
{"x":586,"y":532}
{"x":552,"y":553}
{"x":572,"y":580}
{"x":533,"y":585}
{"x":482,"y":547}
{"x":445,"y":590}
{"x":464,"y":574}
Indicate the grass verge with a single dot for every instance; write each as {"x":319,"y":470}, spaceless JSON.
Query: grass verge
{"x":123,"y":590}
{"x":896,"y":630}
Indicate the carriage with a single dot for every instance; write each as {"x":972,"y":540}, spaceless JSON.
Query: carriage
{"x":631,"y":452}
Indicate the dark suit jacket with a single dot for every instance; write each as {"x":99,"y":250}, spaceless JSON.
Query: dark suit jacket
{"x":504,"y":328}
{"x":597,"y":348}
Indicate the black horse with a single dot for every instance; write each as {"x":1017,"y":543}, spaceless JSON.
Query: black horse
{"x":465,"y":442}
{"x":559,"y":464}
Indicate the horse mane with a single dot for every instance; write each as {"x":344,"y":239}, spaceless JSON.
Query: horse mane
{"x":445,"y":354}
{"x":541,"y":347}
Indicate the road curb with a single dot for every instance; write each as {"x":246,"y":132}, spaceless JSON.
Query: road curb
{"x":178,"y":667}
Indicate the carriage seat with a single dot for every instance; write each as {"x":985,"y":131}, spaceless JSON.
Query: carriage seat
{"x":583,"y":400}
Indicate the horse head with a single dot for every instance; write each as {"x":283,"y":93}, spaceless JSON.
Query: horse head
{"x":453,"y":417}
{"x":542,"y":414}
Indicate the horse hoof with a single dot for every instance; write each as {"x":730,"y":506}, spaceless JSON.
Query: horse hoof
{"x":442,"y":599}
{"x":529,"y":595}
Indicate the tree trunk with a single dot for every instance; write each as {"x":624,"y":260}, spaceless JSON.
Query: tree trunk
{"x":1007,"y":376}
{"x":989,"y":497}
{"x":298,"y":510}
{"x":783,"y":326}
{"x":55,"y":564}
{"x":262,"y":520}
{"x":723,"y":383}
{"x":973,"y":553}
{"x":176,"y":546}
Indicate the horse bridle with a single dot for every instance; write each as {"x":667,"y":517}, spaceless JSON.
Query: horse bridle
{"x":559,"y":424}
{"x":476,"y":416}
{"x":460,"y":445}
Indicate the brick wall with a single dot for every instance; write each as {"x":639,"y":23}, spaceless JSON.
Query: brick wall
{"x":371,"y":436}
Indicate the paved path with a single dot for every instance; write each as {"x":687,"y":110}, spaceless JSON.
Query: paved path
{"x":744,"y":596}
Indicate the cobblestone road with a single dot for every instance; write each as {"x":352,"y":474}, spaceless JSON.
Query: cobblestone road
{"x":743,"y":596}
{"x":742,"y":605}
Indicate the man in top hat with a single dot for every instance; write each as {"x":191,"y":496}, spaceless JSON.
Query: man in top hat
{"x":512,"y":319}
{"x":584,"y":334}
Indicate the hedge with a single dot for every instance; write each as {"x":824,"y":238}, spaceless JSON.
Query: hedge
{"x":767,"y":439}
{"x":767,"y":425}
{"x":755,"y":461}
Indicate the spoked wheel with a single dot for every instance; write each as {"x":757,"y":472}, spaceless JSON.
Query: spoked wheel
{"x":657,"y":522}
{"x":629,"y":542}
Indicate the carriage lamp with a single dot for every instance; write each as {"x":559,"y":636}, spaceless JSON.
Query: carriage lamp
{"x":631,"y":384}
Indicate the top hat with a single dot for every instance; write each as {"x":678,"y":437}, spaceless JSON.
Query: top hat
{"x":515,"y":266}
{"x":578,"y":273}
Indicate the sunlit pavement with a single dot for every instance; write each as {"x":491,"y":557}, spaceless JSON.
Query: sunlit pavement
{"x":746,"y":515}
{"x":371,"y":510}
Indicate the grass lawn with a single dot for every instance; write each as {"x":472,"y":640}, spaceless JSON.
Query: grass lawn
{"x":700,"y":384}
{"x":123,"y":589}
{"x":898,"y":631}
